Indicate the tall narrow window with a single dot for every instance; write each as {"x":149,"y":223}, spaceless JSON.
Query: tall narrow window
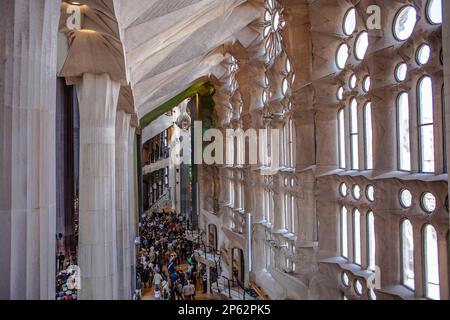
{"x":242,"y":206}
{"x":231,"y":192}
{"x":357,"y":236}
{"x":284,"y":145}
{"x":291,"y":149}
{"x":266,"y":205}
{"x":371,"y":240}
{"x":407,"y":254}
{"x":426,"y":125}
{"x":341,"y":125}
{"x":344,"y":233}
{"x":432,"y":288}
{"x":293,"y":229}
{"x":368,"y":136}
{"x":404,"y":146}
{"x":286,"y":211}
{"x":354,"y":133}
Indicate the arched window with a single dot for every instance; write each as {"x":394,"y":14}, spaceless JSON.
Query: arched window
{"x":404,"y":146}
{"x":293,"y":228}
{"x":426,"y":125}
{"x":431,"y":263}
{"x":291,"y":149}
{"x":407,"y":247}
{"x":287,"y":209}
{"x":341,"y":129}
{"x":344,"y":232}
{"x":266,"y":207}
{"x":368,"y":143}
{"x":371,"y":244}
{"x":354,"y":134}
{"x":288,"y":145}
{"x":231,"y":192}
{"x":357,"y":236}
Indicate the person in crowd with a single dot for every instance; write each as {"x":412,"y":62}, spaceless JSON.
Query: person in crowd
{"x":157,"y":279}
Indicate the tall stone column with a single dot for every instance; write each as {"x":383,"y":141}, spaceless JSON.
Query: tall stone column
{"x":132,"y":176}
{"x":98,"y":96}
{"x":122,"y":205}
{"x":27,"y":148}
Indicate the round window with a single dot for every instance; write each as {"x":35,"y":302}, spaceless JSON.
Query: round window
{"x":342,"y":56}
{"x":361,"y":45}
{"x":423,"y":54}
{"x":406,"y":198}
{"x":349,"y":21}
{"x":401,"y":71}
{"x":429,"y":202}
{"x":404,"y":23}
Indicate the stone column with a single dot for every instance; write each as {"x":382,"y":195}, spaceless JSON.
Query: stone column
{"x":278,"y":209}
{"x":132,"y":175}
{"x":122,"y":204}
{"x":27,"y":148}
{"x":446,"y":54}
{"x":98,"y":96}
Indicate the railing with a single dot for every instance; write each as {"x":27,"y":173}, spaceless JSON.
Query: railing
{"x":164,"y":197}
{"x":232,"y":285}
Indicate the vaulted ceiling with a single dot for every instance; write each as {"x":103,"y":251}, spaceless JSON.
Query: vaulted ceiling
{"x":167,"y":44}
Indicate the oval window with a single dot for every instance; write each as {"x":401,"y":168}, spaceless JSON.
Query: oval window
{"x":350,"y":21}
{"x":358,"y":287}
{"x":345,"y":279}
{"x":401,"y":71}
{"x":429,"y":202}
{"x":423,"y":54}
{"x":356,"y":192}
{"x":404,"y":23}
{"x":434,"y":11}
{"x":343,"y":189}
{"x":352,"y":81}
{"x":370,"y":193}
{"x":406,"y":198}
{"x":340,"y":93}
{"x":342,"y":56}
{"x":361,"y":45}
{"x":366,"y":84}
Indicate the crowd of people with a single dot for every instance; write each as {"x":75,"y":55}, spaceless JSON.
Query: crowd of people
{"x":166,"y":260}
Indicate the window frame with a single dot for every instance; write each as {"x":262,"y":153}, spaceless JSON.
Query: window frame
{"x":420,"y":125}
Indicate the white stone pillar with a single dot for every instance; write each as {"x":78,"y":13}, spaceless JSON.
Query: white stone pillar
{"x":98,"y":96}
{"x":122,"y":205}
{"x":132,"y":202}
{"x":27,"y":148}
